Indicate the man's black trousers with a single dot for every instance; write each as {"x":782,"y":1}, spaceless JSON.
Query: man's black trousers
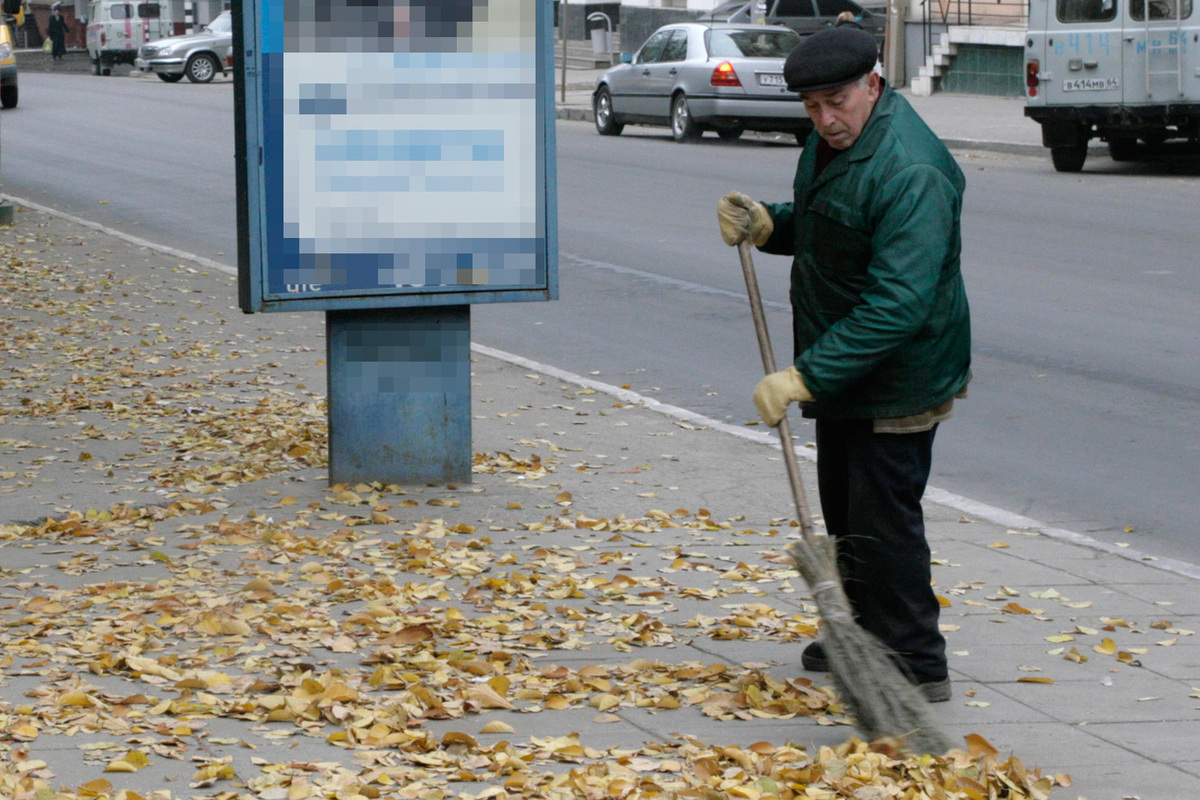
{"x":871,"y":486}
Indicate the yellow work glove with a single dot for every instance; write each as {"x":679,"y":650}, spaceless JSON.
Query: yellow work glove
{"x":776,"y":391}
{"x":741,"y":218}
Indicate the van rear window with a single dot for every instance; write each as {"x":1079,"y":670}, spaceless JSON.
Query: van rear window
{"x":149,"y":10}
{"x":1160,"y":9}
{"x":120,"y":11}
{"x":793,"y":8}
{"x":1086,"y":10}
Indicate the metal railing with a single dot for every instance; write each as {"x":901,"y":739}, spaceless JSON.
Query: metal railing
{"x":998,"y":13}
{"x":983,"y":13}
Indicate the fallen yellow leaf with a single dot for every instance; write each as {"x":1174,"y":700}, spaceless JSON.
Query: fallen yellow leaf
{"x":496,"y":726}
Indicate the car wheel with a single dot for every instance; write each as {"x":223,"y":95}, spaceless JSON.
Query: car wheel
{"x":602,"y":111}
{"x":201,"y":68}
{"x":162,"y":76}
{"x":1069,"y":158}
{"x":1124,"y":149}
{"x":730,"y":134}
{"x":8,"y":97}
{"x":682,"y":126}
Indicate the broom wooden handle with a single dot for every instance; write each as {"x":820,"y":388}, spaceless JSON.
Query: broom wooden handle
{"x":768,"y":359}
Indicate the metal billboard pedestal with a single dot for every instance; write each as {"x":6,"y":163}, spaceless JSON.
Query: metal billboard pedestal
{"x":395,"y":165}
{"x":399,"y":395}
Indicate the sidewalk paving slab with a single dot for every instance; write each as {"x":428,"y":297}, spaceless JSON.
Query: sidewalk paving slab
{"x":596,"y":532}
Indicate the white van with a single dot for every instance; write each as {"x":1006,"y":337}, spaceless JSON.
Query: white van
{"x":1122,"y":71}
{"x":117,"y":28}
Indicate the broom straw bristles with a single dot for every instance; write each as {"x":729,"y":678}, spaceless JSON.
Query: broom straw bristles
{"x":880,"y":698}
{"x":883,"y":702}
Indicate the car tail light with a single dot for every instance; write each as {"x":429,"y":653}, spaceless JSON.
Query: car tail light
{"x":1031,"y":78}
{"x":724,"y":75}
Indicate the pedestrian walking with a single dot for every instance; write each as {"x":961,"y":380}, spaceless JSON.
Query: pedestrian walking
{"x":881,"y":330}
{"x":56,"y":32}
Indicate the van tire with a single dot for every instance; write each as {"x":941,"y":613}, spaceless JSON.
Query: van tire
{"x":1122,"y":149}
{"x":1070,"y":158}
{"x":95,"y":66}
{"x":201,"y":68}
{"x":8,"y":97}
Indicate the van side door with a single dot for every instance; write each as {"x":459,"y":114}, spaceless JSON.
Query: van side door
{"x":123,"y":30}
{"x":1084,"y":53}
{"x":799,"y":15}
{"x":1160,"y":61}
{"x":154,"y":25}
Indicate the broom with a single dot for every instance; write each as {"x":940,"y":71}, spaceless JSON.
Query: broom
{"x":881,"y":700}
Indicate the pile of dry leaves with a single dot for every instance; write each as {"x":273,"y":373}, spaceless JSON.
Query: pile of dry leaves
{"x":360,"y":621}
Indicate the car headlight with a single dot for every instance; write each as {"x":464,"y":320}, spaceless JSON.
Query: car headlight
{"x":162,"y":50}
{"x":6,"y":51}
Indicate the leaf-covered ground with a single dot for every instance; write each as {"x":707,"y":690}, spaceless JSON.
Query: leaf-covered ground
{"x":188,"y":611}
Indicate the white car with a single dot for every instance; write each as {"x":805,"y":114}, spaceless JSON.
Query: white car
{"x":694,"y":77}
{"x":199,"y":56}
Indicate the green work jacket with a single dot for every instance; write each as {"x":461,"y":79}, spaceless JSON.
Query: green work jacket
{"x":881,"y":326}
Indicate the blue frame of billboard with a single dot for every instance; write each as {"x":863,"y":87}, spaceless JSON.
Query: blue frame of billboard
{"x":449,"y":188}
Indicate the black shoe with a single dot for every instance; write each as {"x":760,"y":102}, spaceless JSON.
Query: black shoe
{"x":814,"y":659}
{"x":936,"y":691}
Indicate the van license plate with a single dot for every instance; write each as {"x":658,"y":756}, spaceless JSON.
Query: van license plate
{"x":771,"y":79}
{"x":1090,"y":84}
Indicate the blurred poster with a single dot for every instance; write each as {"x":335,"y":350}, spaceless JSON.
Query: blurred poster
{"x":404,"y":145}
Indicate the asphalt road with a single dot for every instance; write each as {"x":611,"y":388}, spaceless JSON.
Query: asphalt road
{"x":149,"y":158}
{"x":1084,"y":411}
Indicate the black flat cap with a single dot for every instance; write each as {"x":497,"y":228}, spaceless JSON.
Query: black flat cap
{"x":829,"y":58}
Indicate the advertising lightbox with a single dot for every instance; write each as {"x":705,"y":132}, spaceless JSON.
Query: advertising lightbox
{"x":396,"y":153}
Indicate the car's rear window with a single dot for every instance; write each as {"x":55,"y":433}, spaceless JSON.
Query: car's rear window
{"x":752,"y":44}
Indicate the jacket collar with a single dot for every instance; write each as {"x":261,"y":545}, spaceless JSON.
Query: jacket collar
{"x":868,"y":141}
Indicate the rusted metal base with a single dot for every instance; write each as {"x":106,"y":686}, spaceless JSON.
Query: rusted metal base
{"x":399,"y":395}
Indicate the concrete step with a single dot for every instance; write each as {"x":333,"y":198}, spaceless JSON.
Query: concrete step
{"x":582,"y":55}
{"x":589,"y":62}
{"x":921,"y":86}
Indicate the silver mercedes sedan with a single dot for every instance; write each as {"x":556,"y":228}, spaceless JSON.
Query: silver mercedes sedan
{"x":200,"y":55}
{"x":695,"y":77}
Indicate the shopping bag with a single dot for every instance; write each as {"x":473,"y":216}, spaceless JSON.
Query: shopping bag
{"x":47,"y":46}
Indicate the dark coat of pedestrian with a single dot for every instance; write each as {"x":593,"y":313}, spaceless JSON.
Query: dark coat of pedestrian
{"x":881,"y":330}
{"x":56,"y":32}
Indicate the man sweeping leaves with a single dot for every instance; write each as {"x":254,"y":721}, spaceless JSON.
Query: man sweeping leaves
{"x":881,"y":331}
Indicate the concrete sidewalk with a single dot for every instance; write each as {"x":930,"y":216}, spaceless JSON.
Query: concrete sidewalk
{"x":189,"y":609}
{"x":963,"y":121}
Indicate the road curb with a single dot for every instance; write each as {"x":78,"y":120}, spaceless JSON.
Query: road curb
{"x":583,"y":114}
